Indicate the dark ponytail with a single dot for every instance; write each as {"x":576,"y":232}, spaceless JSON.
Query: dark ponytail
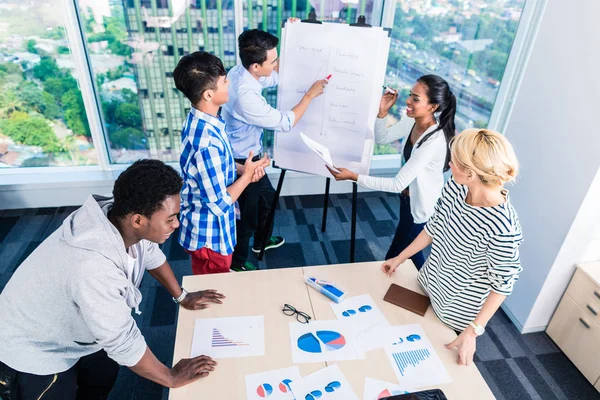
{"x":438,"y":92}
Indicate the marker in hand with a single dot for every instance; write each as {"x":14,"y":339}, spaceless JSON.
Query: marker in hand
{"x":328,"y":77}
{"x":389,"y":89}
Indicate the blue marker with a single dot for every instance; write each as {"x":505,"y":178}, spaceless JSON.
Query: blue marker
{"x":326,"y":288}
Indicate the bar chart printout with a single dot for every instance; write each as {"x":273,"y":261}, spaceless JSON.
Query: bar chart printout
{"x":229,"y":337}
{"x":413,"y":358}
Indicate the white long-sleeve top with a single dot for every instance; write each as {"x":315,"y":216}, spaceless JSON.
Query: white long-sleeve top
{"x":423,"y":173}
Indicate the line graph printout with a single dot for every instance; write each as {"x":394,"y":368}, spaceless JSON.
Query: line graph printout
{"x":342,"y":119}
{"x":229,"y":337}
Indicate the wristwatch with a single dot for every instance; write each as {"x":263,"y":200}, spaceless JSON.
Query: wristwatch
{"x":479,"y":330}
{"x":181,"y":296}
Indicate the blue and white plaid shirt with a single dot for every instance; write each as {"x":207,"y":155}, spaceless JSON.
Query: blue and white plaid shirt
{"x":208,"y":168}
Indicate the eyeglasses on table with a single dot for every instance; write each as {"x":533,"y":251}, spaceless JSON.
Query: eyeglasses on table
{"x":302,"y":317}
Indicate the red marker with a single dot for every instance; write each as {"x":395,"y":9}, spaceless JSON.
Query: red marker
{"x":328,"y":77}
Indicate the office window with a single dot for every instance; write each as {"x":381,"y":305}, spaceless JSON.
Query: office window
{"x":42,"y":117}
{"x":133,"y":69}
{"x":269,"y":15}
{"x":465,"y":42}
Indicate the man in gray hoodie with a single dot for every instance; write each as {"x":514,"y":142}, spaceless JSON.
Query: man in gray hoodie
{"x":65,"y":315}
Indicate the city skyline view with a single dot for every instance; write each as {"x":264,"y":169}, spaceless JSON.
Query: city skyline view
{"x":134,"y":45}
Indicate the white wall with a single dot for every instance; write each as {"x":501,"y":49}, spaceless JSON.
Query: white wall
{"x":573,"y":250}
{"x":554,"y":128}
{"x":592,"y":253}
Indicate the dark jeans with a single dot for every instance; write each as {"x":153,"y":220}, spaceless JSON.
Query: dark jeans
{"x":255,"y":204}
{"x":92,"y":378}
{"x":406,"y":232}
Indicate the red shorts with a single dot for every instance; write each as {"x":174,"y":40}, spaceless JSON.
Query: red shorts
{"x":206,"y":261}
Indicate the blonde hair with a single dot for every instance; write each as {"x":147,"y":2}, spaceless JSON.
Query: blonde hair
{"x":487,"y":153}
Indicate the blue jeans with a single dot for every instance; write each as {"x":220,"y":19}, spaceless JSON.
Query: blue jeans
{"x":406,"y":232}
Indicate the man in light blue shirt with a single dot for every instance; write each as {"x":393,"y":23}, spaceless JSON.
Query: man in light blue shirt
{"x":246,"y":114}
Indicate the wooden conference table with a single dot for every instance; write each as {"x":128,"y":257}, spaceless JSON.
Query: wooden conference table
{"x":265,"y":292}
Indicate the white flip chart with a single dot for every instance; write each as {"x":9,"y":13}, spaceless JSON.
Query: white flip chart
{"x":342,"y":119}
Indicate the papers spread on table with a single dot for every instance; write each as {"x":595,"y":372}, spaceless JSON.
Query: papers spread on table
{"x":323,"y":341}
{"x":413,"y":359}
{"x":367,"y":321}
{"x":327,"y":383}
{"x":375,"y":389}
{"x":318,"y":148}
{"x":273,"y":384}
{"x":229,"y":337}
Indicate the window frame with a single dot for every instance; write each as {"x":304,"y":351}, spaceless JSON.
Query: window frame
{"x":503,"y":105}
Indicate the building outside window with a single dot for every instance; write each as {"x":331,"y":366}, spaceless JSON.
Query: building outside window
{"x":146,"y":39}
{"x":43,"y":121}
{"x":466,"y":42}
{"x":134,"y":45}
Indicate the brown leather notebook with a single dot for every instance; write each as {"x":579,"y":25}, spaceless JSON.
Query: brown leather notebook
{"x":407,"y":299}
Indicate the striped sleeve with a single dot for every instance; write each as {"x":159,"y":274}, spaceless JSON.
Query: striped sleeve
{"x":503,"y":261}
{"x":431,"y":227}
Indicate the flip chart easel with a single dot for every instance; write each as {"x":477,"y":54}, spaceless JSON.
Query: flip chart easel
{"x":361,"y":24}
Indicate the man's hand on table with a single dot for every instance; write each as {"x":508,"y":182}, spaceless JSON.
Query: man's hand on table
{"x":199,"y":300}
{"x":465,"y":343}
{"x":188,"y":370}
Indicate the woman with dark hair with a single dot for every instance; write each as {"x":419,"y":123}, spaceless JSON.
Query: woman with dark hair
{"x":427,"y":131}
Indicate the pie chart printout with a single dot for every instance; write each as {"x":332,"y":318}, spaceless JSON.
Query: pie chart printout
{"x":284,"y":386}
{"x":324,"y":341}
{"x":264,"y":390}
{"x":333,"y":386}
{"x":413,"y":338}
{"x":314,"y":395}
{"x":388,"y":393}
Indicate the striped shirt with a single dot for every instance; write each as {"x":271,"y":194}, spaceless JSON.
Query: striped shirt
{"x":207,"y":210}
{"x":475,"y":250}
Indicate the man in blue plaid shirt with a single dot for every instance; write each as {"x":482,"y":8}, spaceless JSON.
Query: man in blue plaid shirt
{"x":210,"y":189}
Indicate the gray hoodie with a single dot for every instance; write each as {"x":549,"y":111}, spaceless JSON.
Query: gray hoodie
{"x":74,"y":294}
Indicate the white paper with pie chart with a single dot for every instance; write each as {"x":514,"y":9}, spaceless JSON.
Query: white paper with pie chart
{"x":325,"y":384}
{"x":377,"y":390}
{"x":367,"y":320}
{"x":272,"y":385}
{"x":320,"y":341}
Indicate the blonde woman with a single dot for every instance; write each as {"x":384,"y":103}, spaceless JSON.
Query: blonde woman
{"x":475,"y":236}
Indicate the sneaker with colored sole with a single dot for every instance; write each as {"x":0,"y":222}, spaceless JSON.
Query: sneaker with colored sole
{"x":248,"y":266}
{"x":273,"y":243}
